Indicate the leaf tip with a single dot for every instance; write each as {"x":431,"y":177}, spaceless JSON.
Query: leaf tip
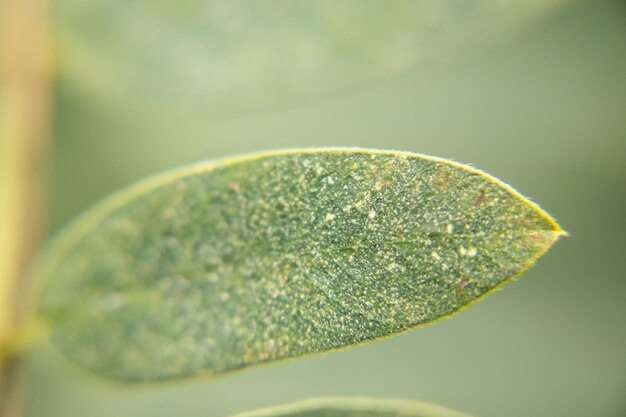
{"x":554,"y":229}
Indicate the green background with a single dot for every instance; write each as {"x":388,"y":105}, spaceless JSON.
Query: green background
{"x":543,"y":110}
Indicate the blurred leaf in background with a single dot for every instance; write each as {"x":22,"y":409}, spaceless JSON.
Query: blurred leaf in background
{"x":356,"y":407}
{"x":214,"y":58}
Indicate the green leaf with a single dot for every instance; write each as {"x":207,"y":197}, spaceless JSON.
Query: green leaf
{"x":216,"y":58}
{"x":272,"y":256}
{"x":356,"y":407}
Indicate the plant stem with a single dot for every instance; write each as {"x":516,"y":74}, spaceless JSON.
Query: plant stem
{"x":24,"y":122}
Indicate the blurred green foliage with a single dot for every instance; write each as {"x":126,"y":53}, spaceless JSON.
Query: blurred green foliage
{"x":193,"y":60}
{"x":543,"y":110}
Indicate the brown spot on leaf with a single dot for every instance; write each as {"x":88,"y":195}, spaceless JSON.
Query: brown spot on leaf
{"x":443,"y":179}
{"x":480,"y":198}
{"x":537,"y":238}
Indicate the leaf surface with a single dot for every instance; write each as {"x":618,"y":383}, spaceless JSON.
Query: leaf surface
{"x":356,"y":407}
{"x":224,"y":265}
